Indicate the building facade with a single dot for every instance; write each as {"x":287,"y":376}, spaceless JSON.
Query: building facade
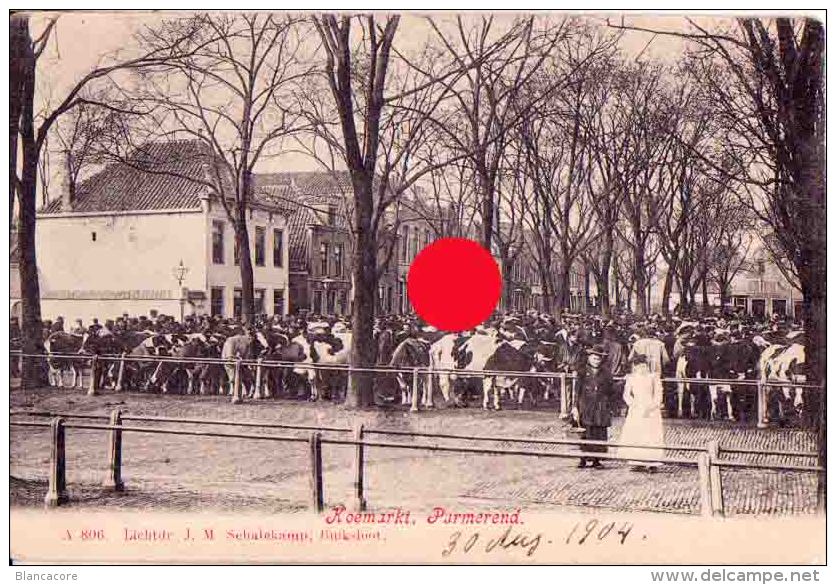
{"x":140,"y":242}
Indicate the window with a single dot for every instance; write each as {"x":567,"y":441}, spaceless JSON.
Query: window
{"x":323,"y":259}
{"x":217,"y":301}
{"x":278,"y":301}
{"x":258,"y":301}
{"x":278,"y":248}
{"x":338,"y":259}
{"x":404,"y":244}
{"x":331,"y":298}
{"x":343,"y":302}
{"x":389,"y":301}
{"x":237,"y":307}
{"x":317,"y":301}
{"x":217,"y":242}
{"x":260,"y":237}
{"x":401,"y":296}
{"x":426,"y":239}
{"x":779,"y":307}
{"x":332,"y":215}
{"x":413,"y":244}
{"x":236,"y":256}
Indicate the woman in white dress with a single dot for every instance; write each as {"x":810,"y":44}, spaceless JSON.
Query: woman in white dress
{"x":643,"y":425}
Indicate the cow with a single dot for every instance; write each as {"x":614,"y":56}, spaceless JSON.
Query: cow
{"x":786,"y":364}
{"x":322,"y":347}
{"x":108,"y":344}
{"x":473,"y":355}
{"x":515,"y":356}
{"x":413,"y":353}
{"x":246,"y":346}
{"x":64,"y":343}
{"x":695,"y":361}
{"x":443,"y":357}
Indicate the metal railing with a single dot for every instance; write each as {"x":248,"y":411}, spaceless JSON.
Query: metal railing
{"x":428,"y":371}
{"x":707,"y":461}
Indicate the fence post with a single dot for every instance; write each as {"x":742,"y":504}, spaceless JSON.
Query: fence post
{"x":94,"y":376}
{"x":258,"y":375}
{"x":761,"y":400}
{"x":114,"y":451}
{"x":414,"y":407}
{"x":121,"y":375}
{"x":717,"y":503}
{"x":703,"y":464}
{"x":315,"y":444}
{"x":359,"y":463}
{"x":564,"y":397}
{"x":57,"y":492}
{"x":236,"y":382}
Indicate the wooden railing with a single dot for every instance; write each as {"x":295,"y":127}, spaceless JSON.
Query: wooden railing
{"x":565,"y":379}
{"x":707,"y":460}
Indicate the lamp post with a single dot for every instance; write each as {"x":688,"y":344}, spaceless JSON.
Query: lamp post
{"x":180,"y":271}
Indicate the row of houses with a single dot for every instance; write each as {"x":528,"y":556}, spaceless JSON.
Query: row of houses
{"x":149,"y":238}
{"x":144,"y":236}
{"x":760,"y":290}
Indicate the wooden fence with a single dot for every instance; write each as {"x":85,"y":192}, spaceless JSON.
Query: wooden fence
{"x":707,"y":460}
{"x":565,"y":379}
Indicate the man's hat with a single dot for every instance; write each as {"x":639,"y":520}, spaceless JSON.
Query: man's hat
{"x":598,"y":349}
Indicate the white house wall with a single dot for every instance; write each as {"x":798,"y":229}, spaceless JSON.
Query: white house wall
{"x":128,"y":268}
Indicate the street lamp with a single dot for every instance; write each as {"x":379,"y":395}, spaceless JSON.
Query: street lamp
{"x":180,"y":271}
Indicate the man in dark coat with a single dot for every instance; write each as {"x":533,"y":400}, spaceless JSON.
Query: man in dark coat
{"x":593,"y":403}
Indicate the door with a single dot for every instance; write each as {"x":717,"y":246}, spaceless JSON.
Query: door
{"x":759,"y":308}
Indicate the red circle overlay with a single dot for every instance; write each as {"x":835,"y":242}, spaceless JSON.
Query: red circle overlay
{"x":454,"y":284}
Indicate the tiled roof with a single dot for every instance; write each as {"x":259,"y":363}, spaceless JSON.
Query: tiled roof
{"x":157,"y":175}
{"x":309,"y":182}
{"x":305,"y":212}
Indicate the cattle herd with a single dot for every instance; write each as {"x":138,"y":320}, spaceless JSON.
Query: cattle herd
{"x":724,"y":351}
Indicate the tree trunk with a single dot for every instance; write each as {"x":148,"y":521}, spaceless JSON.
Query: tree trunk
{"x":587,"y":295}
{"x":565,"y":284}
{"x":667,"y":289}
{"x":18,"y":42}
{"x":507,"y":282}
{"x":640,"y":280}
{"x":360,"y":391}
{"x":245,"y":263}
{"x":545,"y":280}
{"x":606,"y":263}
{"x":31,"y":328}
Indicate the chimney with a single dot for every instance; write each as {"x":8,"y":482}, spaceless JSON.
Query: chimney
{"x":67,"y":187}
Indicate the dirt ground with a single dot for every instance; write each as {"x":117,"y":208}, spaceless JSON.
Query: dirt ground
{"x":183,"y":473}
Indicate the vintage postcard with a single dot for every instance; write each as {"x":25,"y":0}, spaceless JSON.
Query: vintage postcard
{"x":417,"y":288}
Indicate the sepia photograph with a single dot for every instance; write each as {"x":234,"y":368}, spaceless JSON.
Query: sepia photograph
{"x":405,"y":287}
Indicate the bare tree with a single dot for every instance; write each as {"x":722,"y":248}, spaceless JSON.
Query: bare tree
{"x":29,"y":139}
{"x":230,"y":90}
{"x":489,"y":100}
{"x":375,"y":126}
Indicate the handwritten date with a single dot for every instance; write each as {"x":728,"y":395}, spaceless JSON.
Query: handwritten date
{"x":581,"y":533}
